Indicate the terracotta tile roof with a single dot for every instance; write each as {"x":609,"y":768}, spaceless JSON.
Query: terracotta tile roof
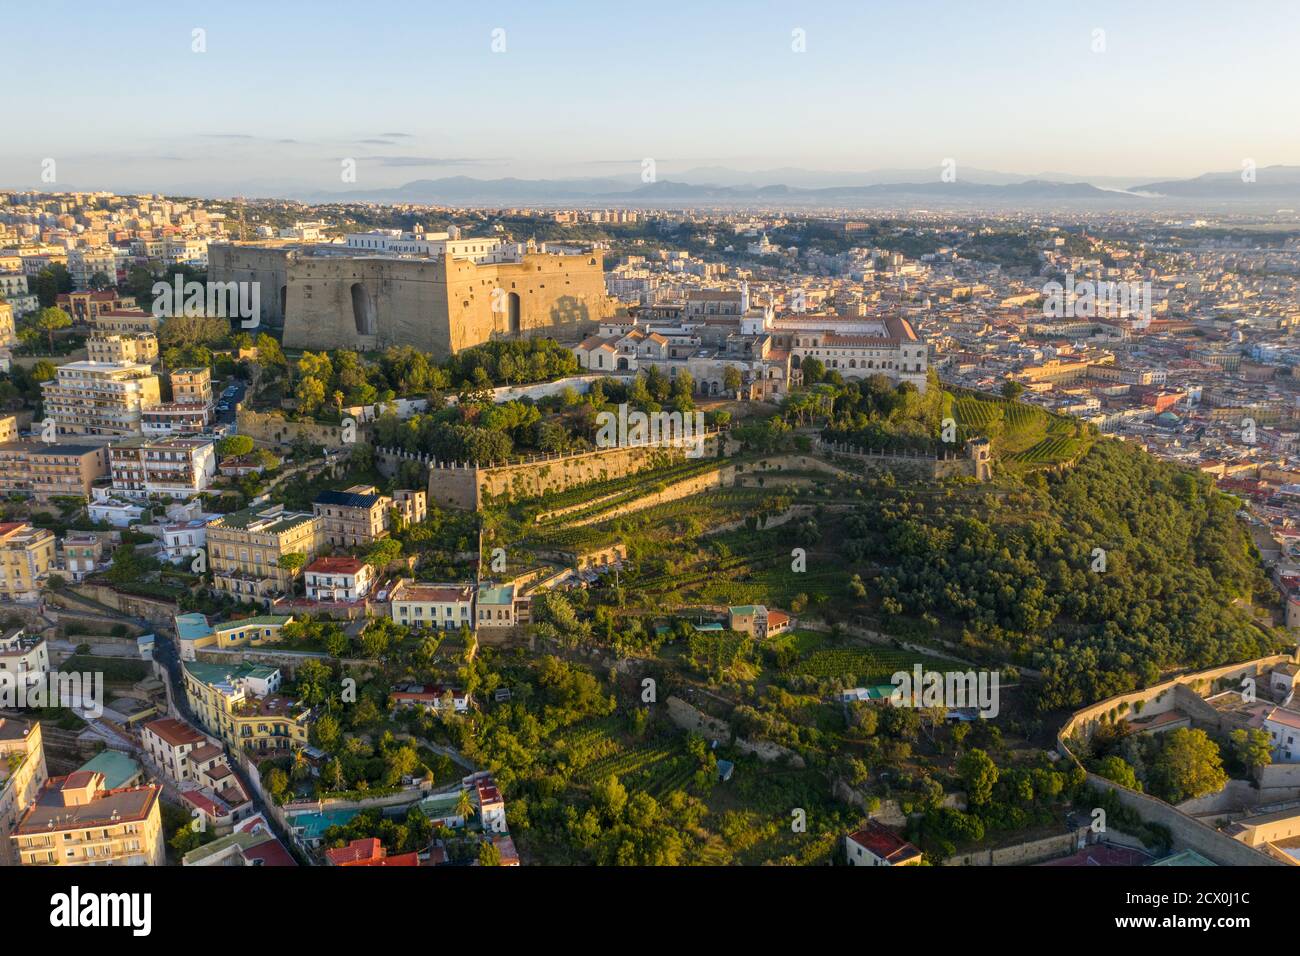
{"x":175,"y":732}
{"x":884,"y":843}
{"x":336,"y":565}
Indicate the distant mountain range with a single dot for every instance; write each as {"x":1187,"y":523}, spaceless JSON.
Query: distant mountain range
{"x":1271,"y":185}
{"x":1278,"y":182}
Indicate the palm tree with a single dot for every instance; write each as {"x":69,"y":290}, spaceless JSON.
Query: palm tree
{"x":464,"y":806}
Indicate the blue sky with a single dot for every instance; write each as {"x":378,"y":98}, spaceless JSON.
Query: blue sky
{"x":286,"y":90}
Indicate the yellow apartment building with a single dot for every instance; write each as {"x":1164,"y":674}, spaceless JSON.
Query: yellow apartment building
{"x":192,"y":386}
{"x":242,"y":706}
{"x":26,"y":560}
{"x":137,"y":349}
{"x":22,"y":774}
{"x":45,"y":470}
{"x":75,"y":821}
{"x":245,"y":547}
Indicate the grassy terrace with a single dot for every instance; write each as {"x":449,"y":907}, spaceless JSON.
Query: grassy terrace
{"x":1024,"y":436}
{"x":666,"y":473}
{"x":674,"y":520}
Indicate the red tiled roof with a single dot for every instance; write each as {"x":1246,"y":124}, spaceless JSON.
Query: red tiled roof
{"x":356,"y":852}
{"x":78,"y":779}
{"x":337,"y":565}
{"x":402,"y":859}
{"x":270,"y":853}
{"x":1102,"y":855}
{"x":175,"y":732}
{"x":884,"y":843}
{"x":205,"y":803}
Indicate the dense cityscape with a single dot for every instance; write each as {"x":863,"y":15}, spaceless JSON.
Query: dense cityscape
{"x":469,"y":497}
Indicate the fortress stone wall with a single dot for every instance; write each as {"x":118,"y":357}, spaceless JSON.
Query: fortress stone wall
{"x":272,"y":428}
{"x":467,"y":487}
{"x":1187,"y":831}
{"x":265,"y":265}
{"x":439,"y":306}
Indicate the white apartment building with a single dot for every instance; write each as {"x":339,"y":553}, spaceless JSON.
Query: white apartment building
{"x":169,"y":743}
{"x":24,"y":659}
{"x":182,"y":541}
{"x":1283,"y":728}
{"x":100,"y":398}
{"x":342,"y":578}
{"x":85,"y":263}
{"x":180,"y":250}
{"x":162,"y":467}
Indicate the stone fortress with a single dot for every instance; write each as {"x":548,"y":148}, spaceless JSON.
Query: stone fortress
{"x":434,"y":291}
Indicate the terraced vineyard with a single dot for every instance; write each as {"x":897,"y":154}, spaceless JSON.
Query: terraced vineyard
{"x":580,"y":746}
{"x":1022,"y":434}
{"x":634,"y":767}
{"x":1052,"y":450}
{"x":777,"y":586}
{"x":670,"y":520}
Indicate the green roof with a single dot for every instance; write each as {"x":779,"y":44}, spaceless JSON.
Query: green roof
{"x":118,"y":769}
{"x":744,"y":609}
{"x":214,"y":674}
{"x":1185,"y":858}
{"x":240,"y":520}
{"x":243,"y":840}
{"x":258,"y":620}
{"x":439,"y":804}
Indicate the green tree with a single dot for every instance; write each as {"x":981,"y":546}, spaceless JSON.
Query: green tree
{"x":489,"y":854}
{"x":139,"y":283}
{"x":1188,"y":764}
{"x":277,"y":784}
{"x":190,"y":331}
{"x":50,"y":321}
{"x":1114,"y":767}
{"x":310,"y":394}
{"x":325,"y":729}
{"x":293,"y":562}
{"x":383,"y":553}
{"x":269,"y":353}
{"x":978,"y":774}
{"x":233,"y":446}
{"x":50,"y":281}
{"x":1252,"y":749}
